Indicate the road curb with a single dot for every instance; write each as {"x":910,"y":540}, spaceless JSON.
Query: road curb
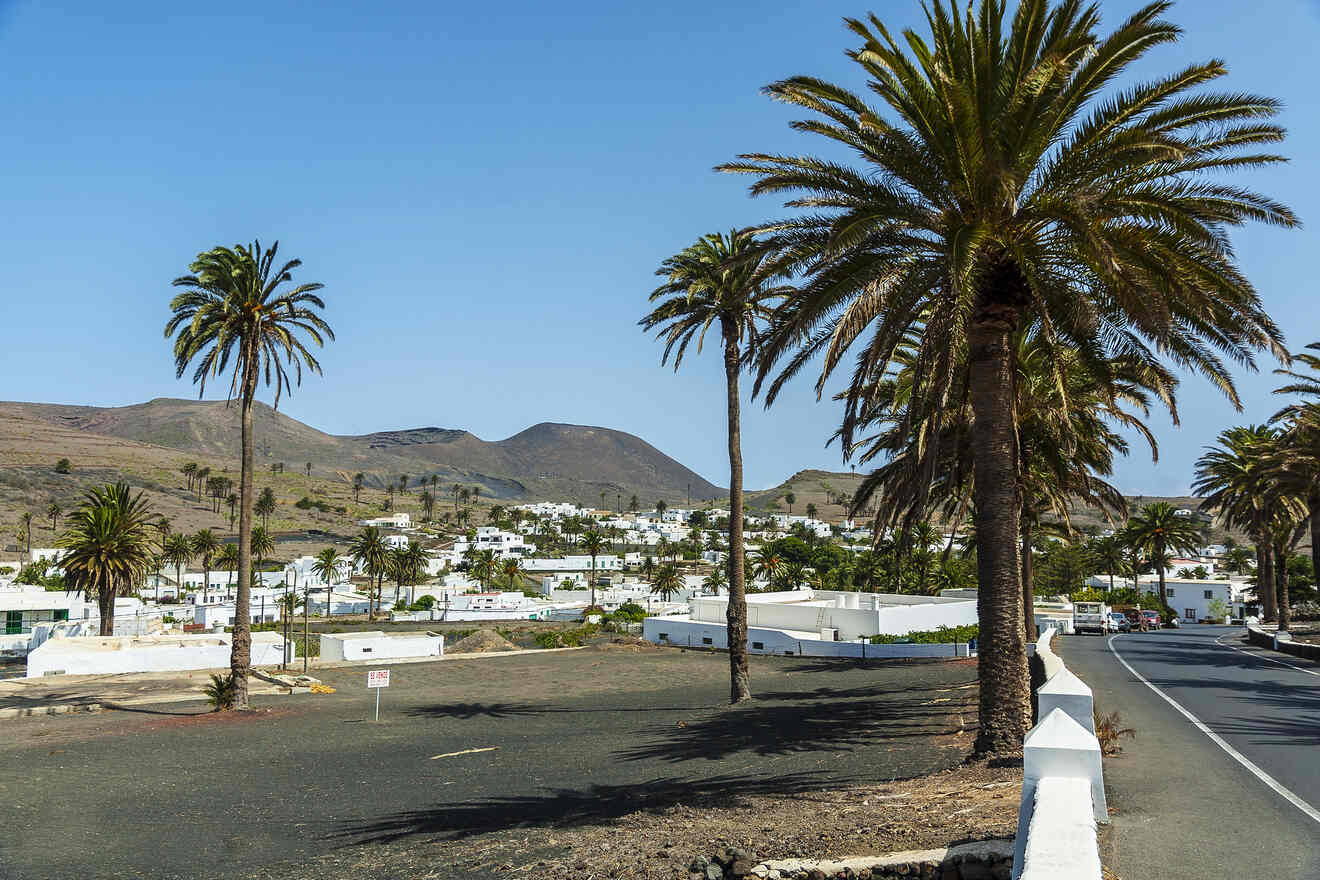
{"x":48,"y":709}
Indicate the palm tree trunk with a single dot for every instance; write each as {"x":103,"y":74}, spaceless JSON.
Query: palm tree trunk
{"x":1159,"y":556}
{"x":1028,"y":587}
{"x":1265,"y":582}
{"x":1005,"y":699}
{"x":240,"y":657}
{"x":105,"y":601}
{"x":736,"y":611}
{"x":1281,"y":585}
{"x":1314,"y":504}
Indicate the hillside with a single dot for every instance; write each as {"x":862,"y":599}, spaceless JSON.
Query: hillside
{"x":544,"y":461}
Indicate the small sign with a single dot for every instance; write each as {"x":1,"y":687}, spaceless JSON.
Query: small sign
{"x":378,"y":678}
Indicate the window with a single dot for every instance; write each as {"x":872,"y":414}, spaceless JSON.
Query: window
{"x":664,"y":637}
{"x":707,"y":641}
{"x":1189,"y":613}
{"x":1169,"y":591}
{"x":61,"y":614}
{"x":758,"y":646}
{"x":1209,"y":594}
{"x":366,"y":650}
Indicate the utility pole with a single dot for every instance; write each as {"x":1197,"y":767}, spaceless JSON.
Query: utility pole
{"x":307,"y":600}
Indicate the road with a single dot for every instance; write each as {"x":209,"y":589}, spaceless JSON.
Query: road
{"x":1182,"y":806}
{"x":464,"y":750}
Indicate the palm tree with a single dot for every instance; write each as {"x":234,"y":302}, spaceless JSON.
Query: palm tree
{"x":790,"y":499}
{"x":811,"y":511}
{"x":648,"y":568}
{"x":204,"y":547}
{"x":189,"y":470}
{"x":661,"y":507}
{"x":263,"y":547}
{"x":1000,"y":179}
{"x":768,"y":564}
{"x":1158,"y":531}
{"x":265,"y":506}
{"x":1111,"y":555}
{"x":26,"y":519}
{"x":326,"y":567}
{"x":234,"y":309}
{"x":483,"y":566}
{"x":511,"y":568}
{"x":53,"y":511}
{"x":428,"y":504}
{"x":308,"y":467}
{"x":358,"y":480}
{"x":633,"y":504}
{"x":729,"y":280}
{"x":232,"y":501}
{"x":108,"y":546}
{"x":667,"y":581}
{"x":1233,"y":479}
{"x":717,"y":580}
{"x":177,"y":551}
{"x":227,"y":561}
{"x":593,"y":544}
{"x":1238,"y":559}
{"x":372,"y":553}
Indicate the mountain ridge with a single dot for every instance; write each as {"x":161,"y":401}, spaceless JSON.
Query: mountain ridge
{"x":548,"y":460}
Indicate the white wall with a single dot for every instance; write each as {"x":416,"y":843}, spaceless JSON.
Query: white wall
{"x":376,"y":645}
{"x":679,"y":630}
{"x":810,"y":611}
{"x":96,"y":655}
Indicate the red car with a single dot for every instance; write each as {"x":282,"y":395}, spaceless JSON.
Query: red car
{"x":1150,"y":619}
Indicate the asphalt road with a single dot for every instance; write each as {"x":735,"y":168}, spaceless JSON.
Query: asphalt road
{"x":1181,"y":805}
{"x":313,"y":787}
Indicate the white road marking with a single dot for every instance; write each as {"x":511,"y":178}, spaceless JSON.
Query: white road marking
{"x":1263,"y":657}
{"x":1311,"y":812}
{"x":464,"y":752}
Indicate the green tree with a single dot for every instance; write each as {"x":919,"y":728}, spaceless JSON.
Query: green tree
{"x":205,"y":545}
{"x":667,"y":581}
{"x":371,"y":552}
{"x":1003,"y":180}
{"x":358,"y":480}
{"x":717,"y":580}
{"x":790,"y":499}
{"x":263,"y":548}
{"x":25,"y":518}
{"x":326,"y":567}
{"x":177,"y":551}
{"x":1158,"y":532}
{"x":265,"y":506}
{"x":593,"y":544}
{"x":483,"y":567}
{"x":108,"y":547}
{"x":227,"y":560}
{"x":53,"y":511}
{"x":511,"y":568}
{"x":235,"y":309}
{"x":63,"y":466}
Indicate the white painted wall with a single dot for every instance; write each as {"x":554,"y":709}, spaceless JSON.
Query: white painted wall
{"x":376,"y":645}
{"x":105,"y":655}
{"x":679,"y":630}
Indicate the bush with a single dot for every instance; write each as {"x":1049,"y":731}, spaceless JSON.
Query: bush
{"x":310,"y":647}
{"x":220,"y":692}
{"x":306,"y":503}
{"x":565,"y":638}
{"x":941,"y":636}
{"x":400,"y":605}
{"x":630,"y":612}
{"x":63,"y":466}
{"x":1109,"y":730}
{"x":424,"y":603}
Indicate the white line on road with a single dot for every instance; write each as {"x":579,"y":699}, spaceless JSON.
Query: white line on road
{"x":465,"y":752}
{"x":1263,"y":657}
{"x":1311,"y":812}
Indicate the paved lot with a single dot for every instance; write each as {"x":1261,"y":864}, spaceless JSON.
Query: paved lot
{"x":312,"y":787}
{"x":1182,"y":807}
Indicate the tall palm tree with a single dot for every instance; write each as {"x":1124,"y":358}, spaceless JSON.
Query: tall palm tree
{"x":1303,"y":452}
{"x":177,"y":551}
{"x":1001,"y":175}
{"x":189,"y":470}
{"x":511,"y":567}
{"x":717,"y":580}
{"x":326,"y":567}
{"x":667,"y":581}
{"x":593,"y":544}
{"x":1112,"y":557}
{"x":1232,"y":478}
{"x":372,"y":553}
{"x":1158,"y":531}
{"x":265,"y":506}
{"x":790,"y":499}
{"x":108,"y":546}
{"x":428,"y":504}
{"x":263,"y":548}
{"x":205,"y":545}
{"x":227,"y":561}
{"x":53,"y":511}
{"x":26,"y":519}
{"x":483,"y":566}
{"x":358,"y":480}
{"x":235,"y":309}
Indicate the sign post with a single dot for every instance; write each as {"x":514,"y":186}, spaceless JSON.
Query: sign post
{"x":378,"y":678}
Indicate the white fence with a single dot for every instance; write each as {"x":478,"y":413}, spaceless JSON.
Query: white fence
{"x":679,"y":631}
{"x":1063,"y":788}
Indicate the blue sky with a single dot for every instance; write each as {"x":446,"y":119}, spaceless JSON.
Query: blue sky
{"x":485,"y":191}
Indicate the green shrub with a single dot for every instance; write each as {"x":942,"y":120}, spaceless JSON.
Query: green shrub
{"x":629,"y":612}
{"x":310,"y":646}
{"x":63,"y":466}
{"x":424,"y":603}
{"x":940,"y":636}
{"x":220,"y":693}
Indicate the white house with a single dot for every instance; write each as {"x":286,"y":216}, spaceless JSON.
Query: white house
{"x":301,"y":572}
{"x":217,"y":610}
{"x":103,"y":655}
{"x":604,"y":562}
{"x":503,"y":544}
{"x":778,"y":621}
{"x":1192,"y":598}
{"x":376,"y":645}
{"x":388,"y":521}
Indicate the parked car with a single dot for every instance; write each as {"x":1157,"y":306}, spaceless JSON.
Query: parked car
{"x":1118,"y":622}
{"x":1150,"y":619}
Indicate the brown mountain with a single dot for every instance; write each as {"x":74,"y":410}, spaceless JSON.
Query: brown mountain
{"x":546,"y":461}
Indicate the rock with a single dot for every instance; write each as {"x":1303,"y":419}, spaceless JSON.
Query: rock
{"x":731,"y":854}
{"x":698,"y":865}
{"x":714,"y":872}
{"x":741,"y":868}
{"x":1003,"y":870}
{"x":816,"y":874}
